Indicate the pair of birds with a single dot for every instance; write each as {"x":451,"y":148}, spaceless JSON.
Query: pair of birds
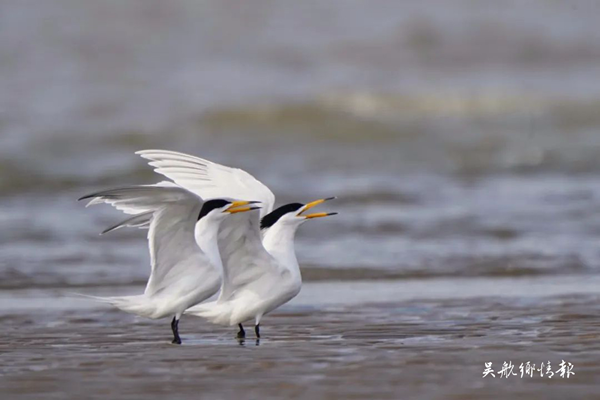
{"x":211,"y":228}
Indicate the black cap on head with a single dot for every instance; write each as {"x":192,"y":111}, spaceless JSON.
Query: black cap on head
{"x":268,"y":220}
{"x":210,"y":205}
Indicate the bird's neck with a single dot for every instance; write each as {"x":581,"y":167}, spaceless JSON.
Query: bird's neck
{"x":207,"y":234}
{"x":279,"y":242}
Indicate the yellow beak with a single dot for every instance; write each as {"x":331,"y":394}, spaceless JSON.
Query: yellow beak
{"x":319,"y":215}
{"x":233,"y":208}
{"x":313,"y":204}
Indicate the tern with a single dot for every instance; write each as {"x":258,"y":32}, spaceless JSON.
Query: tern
{"x":258,"y":259}
{"x":182,"y":239}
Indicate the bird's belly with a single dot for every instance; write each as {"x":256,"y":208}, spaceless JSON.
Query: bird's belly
{"x":285,"y":294}
{"x":180,"y":297}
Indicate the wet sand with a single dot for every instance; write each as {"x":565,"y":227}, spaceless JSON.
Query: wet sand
{"x":418,"y":347}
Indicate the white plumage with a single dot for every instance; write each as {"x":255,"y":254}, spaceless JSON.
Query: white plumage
{"x":209,"y":180}
{"x":258,"y":276}
{"x":183,"y":259}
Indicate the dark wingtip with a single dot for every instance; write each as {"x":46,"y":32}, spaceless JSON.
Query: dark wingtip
{"x":107,"y":230}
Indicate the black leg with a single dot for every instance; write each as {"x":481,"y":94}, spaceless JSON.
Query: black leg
{"x":242,"y":333}
{"x":257,"y":330}
{"x":175,"y":329}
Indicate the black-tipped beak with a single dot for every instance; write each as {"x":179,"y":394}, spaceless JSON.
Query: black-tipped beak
{"x":235,"y":206}
{"x":313,"y":204}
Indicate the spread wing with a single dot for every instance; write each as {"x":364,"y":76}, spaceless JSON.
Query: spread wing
{"x":240,"y":243}
{"x":244,"y":257}
{"x":171,"y":213}
{"x":138,"y":199}
{"x":174,"y":254}
{"x":209,"y":180}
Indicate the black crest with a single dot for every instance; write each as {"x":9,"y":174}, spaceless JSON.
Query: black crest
{"x":210,"y":205}
{"x":268,"y":220}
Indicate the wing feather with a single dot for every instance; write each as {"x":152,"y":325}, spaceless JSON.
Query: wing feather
{"x":174,"y":254}
{"x":209,"y":180}
{"x":141,"y":220}
{"x":172,"y":213}
{"x":244,"y":257}
{"x":137,"y":199}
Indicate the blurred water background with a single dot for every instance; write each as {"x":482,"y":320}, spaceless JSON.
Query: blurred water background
{"x":461,"y":137}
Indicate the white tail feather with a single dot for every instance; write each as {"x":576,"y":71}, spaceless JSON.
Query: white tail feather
{"x":140,"y":305}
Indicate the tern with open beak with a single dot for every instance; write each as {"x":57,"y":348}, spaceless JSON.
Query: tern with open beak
{"x":260,"y":269}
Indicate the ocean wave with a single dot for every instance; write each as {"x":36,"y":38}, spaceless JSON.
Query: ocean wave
{"x":368,"y":132}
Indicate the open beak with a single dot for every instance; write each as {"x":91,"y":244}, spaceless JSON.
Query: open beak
{"x":238,"y":207}
{"x":313,"y":204}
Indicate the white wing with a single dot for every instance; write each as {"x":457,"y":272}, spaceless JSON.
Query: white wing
{"x":209,"y":180}
{"x":136,"y":199}
{"x":243,"y":255}
{"x":172,"y":213}
{"x":240,"y":243}
{"x":174,"y":254}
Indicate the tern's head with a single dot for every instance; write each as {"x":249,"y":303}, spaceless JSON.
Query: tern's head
{"x":293,"y":214}
{"x":219,"y":209}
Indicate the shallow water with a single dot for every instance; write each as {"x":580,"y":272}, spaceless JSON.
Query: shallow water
{"x":316,"y":347}
{"x":460,"y":137}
